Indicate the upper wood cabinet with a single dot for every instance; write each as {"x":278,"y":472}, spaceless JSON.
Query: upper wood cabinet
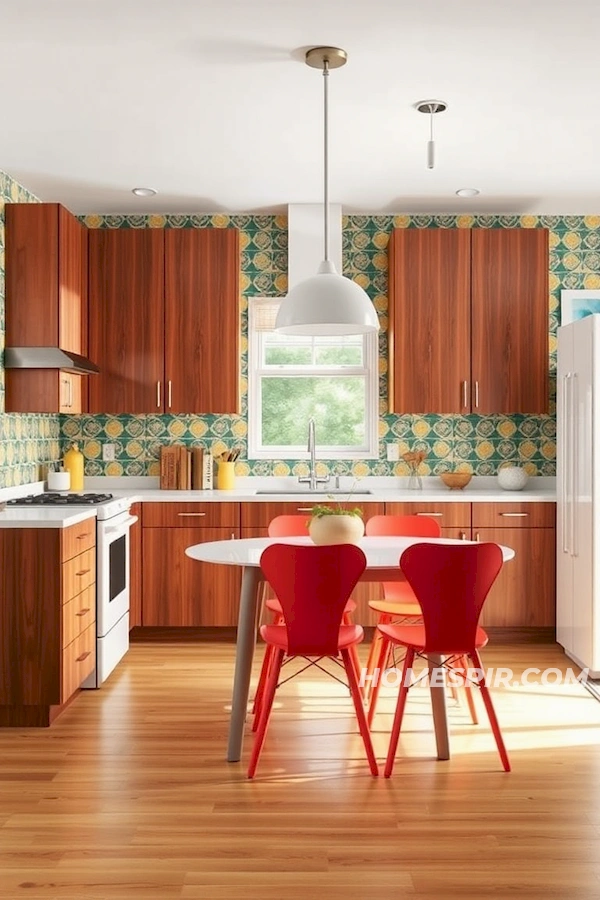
{"x":46,"y":288}
{"x":468,"y":312}
{"x":164,"y":320}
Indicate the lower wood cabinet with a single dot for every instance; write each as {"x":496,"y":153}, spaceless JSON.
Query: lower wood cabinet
{"x":47,"y":619}
{"x":179,"y":591}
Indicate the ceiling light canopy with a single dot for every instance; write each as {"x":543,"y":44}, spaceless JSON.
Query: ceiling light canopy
{"x":431,"y":108}
{"x":326,"y":303}
{"x":467,"y":192}
{"x":144,"y":192}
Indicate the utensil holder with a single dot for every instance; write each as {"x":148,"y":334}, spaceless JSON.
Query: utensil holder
{"x":59,"y":481}
{"x":225,"y":476}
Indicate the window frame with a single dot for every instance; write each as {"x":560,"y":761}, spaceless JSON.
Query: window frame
{"x":257,"y":372}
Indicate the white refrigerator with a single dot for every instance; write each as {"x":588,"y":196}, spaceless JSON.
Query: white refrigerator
{"x":578,"y":492}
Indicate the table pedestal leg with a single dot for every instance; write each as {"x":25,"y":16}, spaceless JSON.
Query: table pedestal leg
{"x":438,"y":705}
{"x":246,"y":641}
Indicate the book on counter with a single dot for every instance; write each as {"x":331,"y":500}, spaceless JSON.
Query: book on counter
{"x":184,"y":470}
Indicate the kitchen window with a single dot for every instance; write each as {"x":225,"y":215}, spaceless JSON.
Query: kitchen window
{"x":293,"y":377}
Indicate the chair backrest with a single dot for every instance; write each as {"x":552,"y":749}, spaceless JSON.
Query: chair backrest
{"x":400,"y":526}
{"x":288,"y":526}
{"x":451,"y":583}
{"x":313,"y":585}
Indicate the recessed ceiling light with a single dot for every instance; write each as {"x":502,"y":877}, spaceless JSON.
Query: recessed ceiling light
{"x":467,"y":192}
{"x":144,"y":192}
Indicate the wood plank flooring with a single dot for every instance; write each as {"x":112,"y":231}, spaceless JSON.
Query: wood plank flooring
{"x":128,"y":795}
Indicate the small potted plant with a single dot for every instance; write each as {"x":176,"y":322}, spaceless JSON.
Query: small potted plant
{"x":335,"y":524}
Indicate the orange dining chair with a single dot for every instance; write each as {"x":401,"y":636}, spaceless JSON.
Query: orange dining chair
{"x":399,"y":601}
{"x":289,"y":526}
{"x":313,"y":585}
{"x":451,"y":583}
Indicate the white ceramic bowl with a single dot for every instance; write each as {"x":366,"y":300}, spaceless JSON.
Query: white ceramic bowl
{"x":512,"y":478}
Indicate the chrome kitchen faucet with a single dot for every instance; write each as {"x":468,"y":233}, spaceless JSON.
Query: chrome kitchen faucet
{"x":312,"y":479}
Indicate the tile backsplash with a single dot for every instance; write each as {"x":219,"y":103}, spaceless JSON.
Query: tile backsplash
{"x":477,"y":443}
{"x":28,"y":443}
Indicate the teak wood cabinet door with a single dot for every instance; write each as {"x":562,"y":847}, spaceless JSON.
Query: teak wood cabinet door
{"x":468,"y":313}
{"x":429,"y":316}
{"x":509,"y":283}
{"x":126,"y":319}
{"x":46,"y":303}
{"x":202,"y":320}
{"x":164,"y":320}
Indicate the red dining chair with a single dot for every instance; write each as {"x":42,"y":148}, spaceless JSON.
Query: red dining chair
{"x":313,"y":585}
{"x":451,"y":583}
{"x":288,"y":526}
{"x":399,"y":601}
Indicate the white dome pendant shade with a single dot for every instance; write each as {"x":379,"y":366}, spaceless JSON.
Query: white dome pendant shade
{"x":326,"y":303}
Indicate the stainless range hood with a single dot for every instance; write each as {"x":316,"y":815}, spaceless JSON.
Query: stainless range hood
{"x":48,"y":358}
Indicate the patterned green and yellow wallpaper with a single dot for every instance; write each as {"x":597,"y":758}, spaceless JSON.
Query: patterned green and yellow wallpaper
{"x":476,"y":443}
{"x":27,"y":443}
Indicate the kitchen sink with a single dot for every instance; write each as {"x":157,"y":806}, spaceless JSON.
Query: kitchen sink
{"x":304,"y":492}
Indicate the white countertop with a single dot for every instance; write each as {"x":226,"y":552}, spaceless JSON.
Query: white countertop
{"x":46,"y":517}
{"x":383,"y":490}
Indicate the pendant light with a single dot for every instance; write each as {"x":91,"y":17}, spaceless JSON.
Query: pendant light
{"x":431,"y":107}
{"x":326,"y":303}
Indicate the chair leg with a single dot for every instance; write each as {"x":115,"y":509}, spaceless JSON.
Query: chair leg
{"x":360,"y":712}
{"x":489,"y":706}
{"x":464,"y":664}
{"x":262,"y":681}
{"x":384,"y":650}
{"x":373,"y":656}
{"x":353,"y":649}
{"x":399,"y":714}
{"x":265,"y":712}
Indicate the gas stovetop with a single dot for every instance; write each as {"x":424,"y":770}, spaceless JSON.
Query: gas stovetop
{"x":55,"y":499}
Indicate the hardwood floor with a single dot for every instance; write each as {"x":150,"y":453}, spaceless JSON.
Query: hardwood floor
{"x":128,"y":794}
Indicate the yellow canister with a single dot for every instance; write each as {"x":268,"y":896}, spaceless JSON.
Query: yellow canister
{"x":225,"y":476}
{"x":73,"y":463}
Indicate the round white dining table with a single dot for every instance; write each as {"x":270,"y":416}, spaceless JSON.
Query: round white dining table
{"x":382,"y":555}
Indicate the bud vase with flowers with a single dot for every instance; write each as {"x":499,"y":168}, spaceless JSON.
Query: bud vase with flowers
{"x":413,"y":459}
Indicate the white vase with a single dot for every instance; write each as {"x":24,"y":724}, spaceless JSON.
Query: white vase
{"x":512,"y":478}
{"x":336,"y":529}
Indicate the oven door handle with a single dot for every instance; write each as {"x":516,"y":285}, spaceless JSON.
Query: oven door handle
{"x":122,"y":526}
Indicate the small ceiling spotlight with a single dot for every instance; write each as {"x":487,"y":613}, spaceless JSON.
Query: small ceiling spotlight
{"x":467,"y":192}
{"x":431,"y":107}
{"x":144,"y":192}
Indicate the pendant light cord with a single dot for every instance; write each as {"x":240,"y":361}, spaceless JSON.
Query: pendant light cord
{"x":326,"y":158}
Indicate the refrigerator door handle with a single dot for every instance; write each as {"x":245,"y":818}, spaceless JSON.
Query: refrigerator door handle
{"x":574,"y":464}
{"x":565,"y":465}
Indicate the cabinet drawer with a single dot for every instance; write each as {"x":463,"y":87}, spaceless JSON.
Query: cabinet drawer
{"x":77,"y":538}
{"x":78,"y":614}
{"x":258,"y":515}
{"x":191,"y":515}
{"x":514,"y":515}
{"x":78,"y":573}
{"x":449,"y":515}
{"x":78,"y":661}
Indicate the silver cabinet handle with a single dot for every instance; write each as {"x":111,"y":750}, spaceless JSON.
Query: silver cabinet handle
{"x":192,"y":514}
{"x":429,"y":514}
{"x":463,"y":535}
{"x":70,"y":383}
{"x":476,"y":394}
{"x":477,"y":536}
{"x":304,"y":509}
{"x":465,"y":394}
{"x":521,"y":515}
{"x":567,"y":464}
{"x":170,"y":393}
{"x":158,"y":394}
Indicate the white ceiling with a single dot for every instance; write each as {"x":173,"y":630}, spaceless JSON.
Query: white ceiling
{"x":209,"y":102}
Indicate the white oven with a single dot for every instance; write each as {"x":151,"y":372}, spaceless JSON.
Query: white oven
{"x":112,"y":592}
